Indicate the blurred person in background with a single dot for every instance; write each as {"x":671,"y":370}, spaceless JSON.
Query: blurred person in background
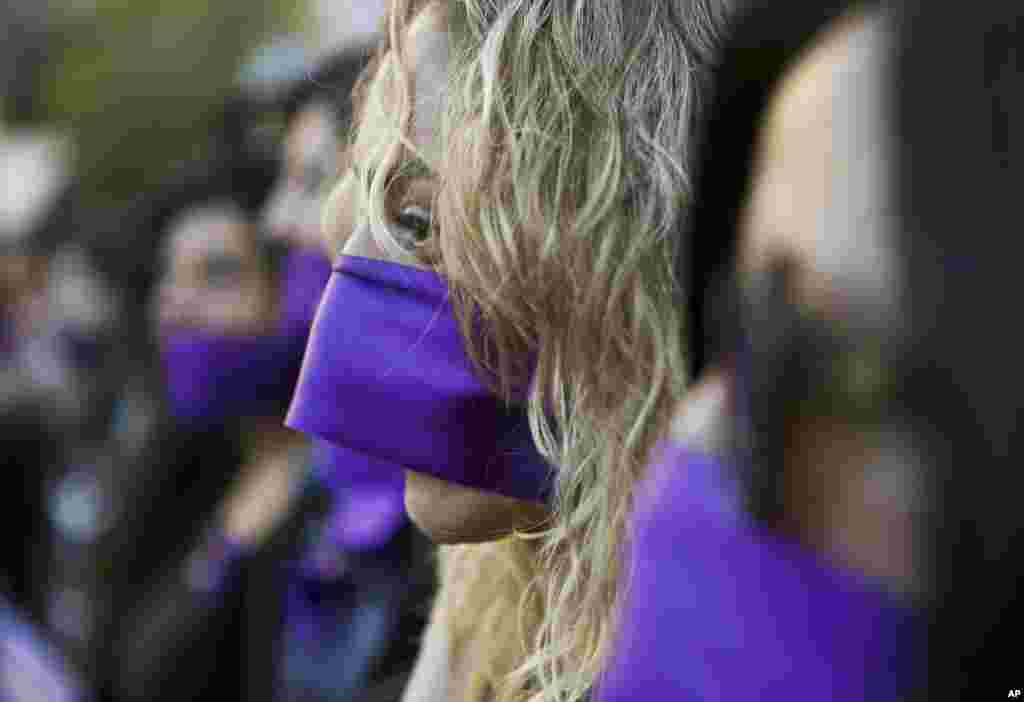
{"x":224,"y":475}
{"x":789,"y":493}
{"x":865,"y":543}
{"x":264,"y":576}
{"x":60,"y":376}
{"x":541,"y":232}
{"x":59,"y":316}
{"x":387,"y":595}
{"x":317,"y":116}
{"x":33,"y":174}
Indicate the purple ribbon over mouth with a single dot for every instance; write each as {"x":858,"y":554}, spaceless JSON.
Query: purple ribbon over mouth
{"x":386,"y":374}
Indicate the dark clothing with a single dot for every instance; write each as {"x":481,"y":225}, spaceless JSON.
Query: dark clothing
{"x":253,"y":626}
{"x":29,"y":457}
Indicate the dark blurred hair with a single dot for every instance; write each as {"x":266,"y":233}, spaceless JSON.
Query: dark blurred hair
{"x":331,"y":81}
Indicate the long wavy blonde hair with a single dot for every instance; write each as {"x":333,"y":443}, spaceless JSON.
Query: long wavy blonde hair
{"x":564,"y":183}
{"x":569,"y":140}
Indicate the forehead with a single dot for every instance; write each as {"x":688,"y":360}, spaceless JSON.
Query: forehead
{"x":822,"y":184}
{"x":426,"y":57}
{"x":220,"y":228}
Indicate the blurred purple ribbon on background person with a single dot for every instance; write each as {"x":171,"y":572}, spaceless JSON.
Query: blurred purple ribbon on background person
{"x":303,"y":277}
{"x":213,"y":377}
{"x":719,"y":608}
{"x":368,"y":497}
{"x":386,"y":374}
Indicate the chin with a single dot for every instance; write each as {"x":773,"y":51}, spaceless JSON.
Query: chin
{"x":450,"y":514}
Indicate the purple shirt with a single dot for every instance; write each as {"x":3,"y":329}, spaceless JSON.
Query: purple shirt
{"x":719,"y":608}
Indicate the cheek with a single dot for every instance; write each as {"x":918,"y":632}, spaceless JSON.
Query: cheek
{"x":250,"y":307}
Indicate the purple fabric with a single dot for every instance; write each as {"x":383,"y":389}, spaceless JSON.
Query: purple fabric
{"x":303,"y":276}
{"x":213,"y":378}
{"x":386,"y":374}
{"x":7,"y":337}
{"x":82,"y":348}
{"x":368,"y":497}
{"x":31,"y":667}
{"x":721,"y":609}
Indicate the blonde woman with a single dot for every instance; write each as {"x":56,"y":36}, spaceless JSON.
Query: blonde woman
{"x":536,"y":155}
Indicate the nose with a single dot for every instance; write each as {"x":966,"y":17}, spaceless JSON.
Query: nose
{"x":362,"y":243}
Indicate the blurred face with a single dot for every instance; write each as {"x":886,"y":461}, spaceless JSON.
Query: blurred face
{"x":311,"y":149}
{"x":820,"y":184}
{"x":447,"y":512}
{"x":33,"y":169}
{"x":22,"y":276}
{"x":819,"y":209}
{"x":213,"y":278}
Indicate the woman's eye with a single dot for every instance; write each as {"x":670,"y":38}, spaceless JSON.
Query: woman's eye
{"x":222,"y":271}
{"x":416,"y":220}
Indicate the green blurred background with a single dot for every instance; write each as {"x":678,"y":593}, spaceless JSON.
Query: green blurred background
{"x":140,"y":86}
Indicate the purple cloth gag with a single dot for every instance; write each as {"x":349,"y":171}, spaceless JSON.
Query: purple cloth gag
{"x":386,"y":374}
{"x":721,"y":609}
{"x":368,"y":497}
{"x":215,"y":377}
{"x":303,"y":276}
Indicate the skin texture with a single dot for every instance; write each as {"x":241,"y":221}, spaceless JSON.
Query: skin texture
{"x":311,"y":150}
{"x":821,"y":208}
{"x":23,"y":281}
{"x":820,"y":183}
{"x":446,"y":512}
{"x":451,"y":514}
{"x":213,"y":278}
